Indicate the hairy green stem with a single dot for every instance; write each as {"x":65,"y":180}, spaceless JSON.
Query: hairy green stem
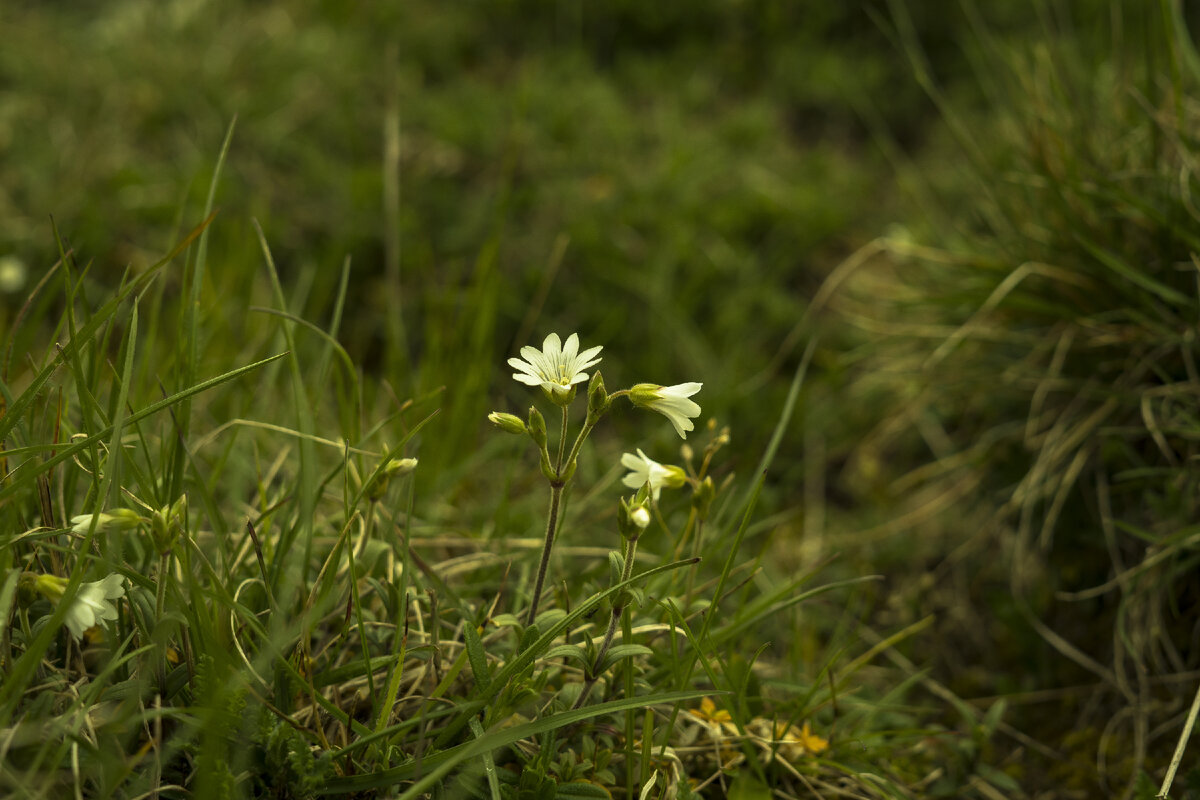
{"x":562,"y":443}
{"x":551,"y":527}
{"x":618,"y":607}
{"x":562,"y":471}
{"x":160,"y":603}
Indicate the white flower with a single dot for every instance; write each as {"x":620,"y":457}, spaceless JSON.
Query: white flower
{"x":91,"y":605}
{"x":670,"y":401}
{"x":643,"y":470}
{"x":556,"y":368}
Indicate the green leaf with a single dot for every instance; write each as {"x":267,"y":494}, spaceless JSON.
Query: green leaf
{"x":621,"y":651}
{"x":575,"y":652}
{"x":475,"y":654}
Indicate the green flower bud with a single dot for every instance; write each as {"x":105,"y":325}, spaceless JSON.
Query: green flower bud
{"x":118,"y":519}
{"x":27,"y":589}
{"x":536,"y":427}
{"x":395,"y":467}
{"x":509,"y":423}
{"x":632,"y":517}
{"x":167,"y":523}
{"x":598,"y":401}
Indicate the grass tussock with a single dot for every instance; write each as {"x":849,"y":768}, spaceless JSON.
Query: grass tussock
{"x":1043,"y":352}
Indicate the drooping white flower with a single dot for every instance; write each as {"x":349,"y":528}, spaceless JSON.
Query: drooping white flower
{"x":643,"y":470}
{"x":91,"y":605}
{"x":556,"y":367}
{"x":670,"y":401}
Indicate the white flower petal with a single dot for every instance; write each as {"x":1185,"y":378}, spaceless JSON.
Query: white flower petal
{"x":643,"y":470}
{"x":672,"y":402}
{"x":571,"y":348}
{"x":556,"y":367}
{"x":91,"y":605}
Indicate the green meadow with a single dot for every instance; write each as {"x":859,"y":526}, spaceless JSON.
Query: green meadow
{"x":519,"y":400}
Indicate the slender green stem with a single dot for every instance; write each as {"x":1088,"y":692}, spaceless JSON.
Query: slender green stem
{"x":1180,"y":747}
{"x":551,"y":528}
{"x":579,"y":440}
{"x":691,"y":578}
{"x":630,"y":714}
{"x":160,"y":598}
{"x":160,"y":603}
{"x":562,"y":443}
{"x":619,"y":606}
{"x":561,"y":469}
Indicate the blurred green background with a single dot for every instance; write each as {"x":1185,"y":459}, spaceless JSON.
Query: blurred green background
{"x":677,"y":181}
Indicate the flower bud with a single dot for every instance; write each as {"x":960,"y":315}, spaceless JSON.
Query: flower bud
{"x":395,"y":467}
{"x":536,"y":427}
{"x":27,"y":589}
{"x":509,"y":423}
{"x":598,"y":402}
{"x":632,"y":517}
{"x":118,"y":519}
{"x":50,"y":586}
{"x":167,"y":523}
{"x":640,"y":517}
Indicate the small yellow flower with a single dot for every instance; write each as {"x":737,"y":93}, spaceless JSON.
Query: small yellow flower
{"x":716,"y":721}
{"x":708,"y":711}
{"x":787,"y":741}
{"x":812,"y":743}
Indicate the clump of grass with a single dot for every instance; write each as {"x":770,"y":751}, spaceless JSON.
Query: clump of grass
{"x":1041,"y":338}
{"x":276,"y":615}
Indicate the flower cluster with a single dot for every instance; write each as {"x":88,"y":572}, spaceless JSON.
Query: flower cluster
{"x":557,"y":369}
{"x":774,"y":738}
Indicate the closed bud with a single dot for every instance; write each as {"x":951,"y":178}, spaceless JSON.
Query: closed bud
{"x":394,"y":468}
{"x":509,"y":423}
{"x":632,"y":517}
{"x":166,"y":524}
{"x":27,"y":589}
{"x":536,"y":427}
{"x":118,"y":519}
{"x":598,"y":402}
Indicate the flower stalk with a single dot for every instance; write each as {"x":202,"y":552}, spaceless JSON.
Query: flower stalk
{"x":557,"y":369}
{"x":632,"y":518}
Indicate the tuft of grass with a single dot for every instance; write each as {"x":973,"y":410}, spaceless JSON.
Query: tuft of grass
{"x":294,"y":622}
{"x":1035,"y":347}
